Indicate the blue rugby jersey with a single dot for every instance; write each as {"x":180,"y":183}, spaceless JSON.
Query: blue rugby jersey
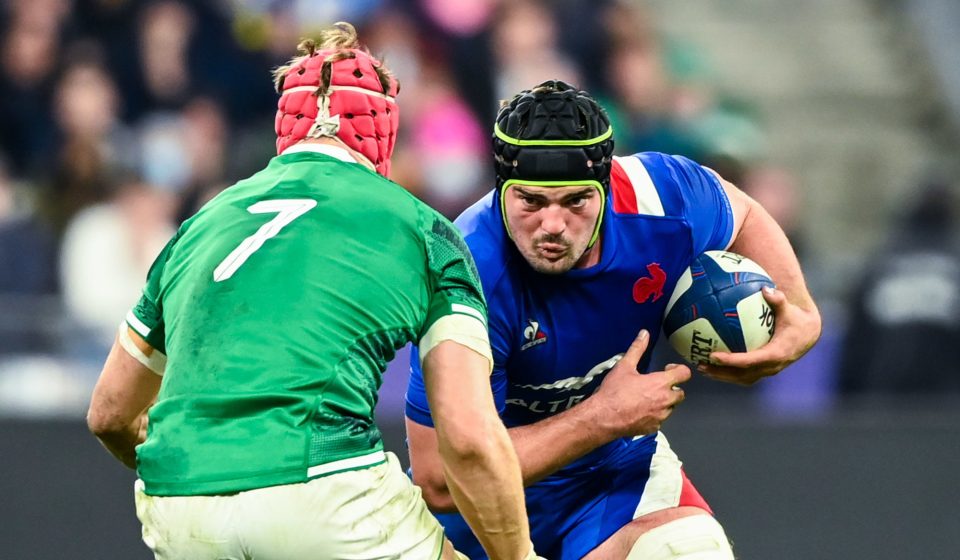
{"x":554,"y":337}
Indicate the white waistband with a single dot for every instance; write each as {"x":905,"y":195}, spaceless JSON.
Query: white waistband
{"x":358,"y":462}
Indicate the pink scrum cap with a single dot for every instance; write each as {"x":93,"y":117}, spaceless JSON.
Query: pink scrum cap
{"x":337,"y":92}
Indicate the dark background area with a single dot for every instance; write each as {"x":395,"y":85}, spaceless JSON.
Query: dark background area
{"x":876,"y":481}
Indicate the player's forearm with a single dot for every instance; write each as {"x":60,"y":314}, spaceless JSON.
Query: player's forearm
{"x":484,"y":481}
{"x":541,"y":448}
{"x":120,"y":441}
{"x":546,"y":446}
{"x":118,"y":407}
{"x":762,"y":240}
{"x":478,"y":463}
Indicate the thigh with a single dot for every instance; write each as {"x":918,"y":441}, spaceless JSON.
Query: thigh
{"x":374,"y":513}
{"x":570,"y":516}
{"x":553,"y":507}
{"x":198,"y":527}
{"x":367,"y":514}
{"x":645,"y":482}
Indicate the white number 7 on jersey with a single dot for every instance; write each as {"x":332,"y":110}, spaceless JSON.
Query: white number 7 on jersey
{"x":287,"y":210}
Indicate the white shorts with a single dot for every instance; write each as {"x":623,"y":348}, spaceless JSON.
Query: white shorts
{"x":364,"y":514}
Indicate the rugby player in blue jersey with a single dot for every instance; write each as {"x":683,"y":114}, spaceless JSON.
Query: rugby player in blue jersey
{"x":578,"y":251}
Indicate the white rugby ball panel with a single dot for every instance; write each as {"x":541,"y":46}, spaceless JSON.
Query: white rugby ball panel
{"x":732,"y":262}
{"x":756,"y":321}
{"x":696,"y":340}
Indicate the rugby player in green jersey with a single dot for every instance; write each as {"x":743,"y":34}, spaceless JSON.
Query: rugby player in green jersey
{"x":258,"y":346}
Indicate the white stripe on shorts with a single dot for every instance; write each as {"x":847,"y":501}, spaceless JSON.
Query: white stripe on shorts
{"x":347,"y":464}
{"x":665,"y":483}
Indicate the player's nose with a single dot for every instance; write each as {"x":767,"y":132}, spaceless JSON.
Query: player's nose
{"x":552,"y":220}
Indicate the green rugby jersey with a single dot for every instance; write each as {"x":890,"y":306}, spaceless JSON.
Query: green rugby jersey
{"x":279,"y":305}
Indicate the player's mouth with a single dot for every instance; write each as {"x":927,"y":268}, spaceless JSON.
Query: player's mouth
{"x":552,"y":251}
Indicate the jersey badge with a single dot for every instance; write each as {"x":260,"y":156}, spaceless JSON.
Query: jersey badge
{"x":532,"y":335}
{"x":650,"y":286}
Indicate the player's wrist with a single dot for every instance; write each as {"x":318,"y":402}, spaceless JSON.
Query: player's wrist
{"x":532,"y":555}
{"x":600,"y":420}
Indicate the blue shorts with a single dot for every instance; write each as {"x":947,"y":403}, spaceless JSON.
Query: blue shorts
{"x":571,"y":513}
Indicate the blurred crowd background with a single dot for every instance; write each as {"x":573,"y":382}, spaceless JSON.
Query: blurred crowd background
{"x":120,"y":118}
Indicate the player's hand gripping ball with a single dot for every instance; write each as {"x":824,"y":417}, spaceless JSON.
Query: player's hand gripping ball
{"x":718,"y":305}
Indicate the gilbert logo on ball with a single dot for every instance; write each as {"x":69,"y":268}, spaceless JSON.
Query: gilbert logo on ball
{"x":717,"y":305}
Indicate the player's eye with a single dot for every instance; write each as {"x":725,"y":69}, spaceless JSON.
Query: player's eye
{"x":577,"y":202}
{"x":529,"y":201}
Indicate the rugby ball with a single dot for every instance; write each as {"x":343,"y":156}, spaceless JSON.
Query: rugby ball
{"x":717,"y":305}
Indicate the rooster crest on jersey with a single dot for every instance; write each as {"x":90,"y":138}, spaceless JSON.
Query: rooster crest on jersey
{"x":336,"y":89}
{"x":650,"y":288}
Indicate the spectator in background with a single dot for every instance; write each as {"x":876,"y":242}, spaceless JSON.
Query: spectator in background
{"x":661,"y":97}
{"x":27,"y":246}
{"x":906,"y":308}
{"x":27,"y":272}
{"x":40,"y":13}
{"x":92,"y":140}
{"x":462,"y":32}
{"x":446,"y":154}
{"x":164,"y":154}
{"x":442,"y":151}
{"x":583,"y":34}
{"x":452,"y":150}
{"x":205,"y":139}
{"x":28,"y":61}
{"x":107,"y":250}
{"x":399,"y":37}
{"x":160,"y":78}
{"x":640,"y":107}
{"x":528,"y":27}
{"x":775,"y":188}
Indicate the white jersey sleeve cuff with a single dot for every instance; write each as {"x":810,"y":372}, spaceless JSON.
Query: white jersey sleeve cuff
{"x":464,"y":329}
{"x":137,"y":325}
{"x":155,"y":362}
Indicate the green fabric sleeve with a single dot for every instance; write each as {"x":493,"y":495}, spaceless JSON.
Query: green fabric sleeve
{"x":146,"y":317}
{"x":456,"y":283}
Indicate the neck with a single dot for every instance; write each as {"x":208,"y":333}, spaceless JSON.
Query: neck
{"x":336,"y":142}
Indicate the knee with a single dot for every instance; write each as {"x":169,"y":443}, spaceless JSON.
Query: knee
{"x":698,"y":537}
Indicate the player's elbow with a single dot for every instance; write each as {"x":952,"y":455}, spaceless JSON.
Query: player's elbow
{"x":433,"y":485}
{"x":483,"y":439}
{"x":436,"y":493}
{"x":102,"y":423}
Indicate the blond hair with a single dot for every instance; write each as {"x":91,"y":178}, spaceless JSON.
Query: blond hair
{"x":341,"y":37}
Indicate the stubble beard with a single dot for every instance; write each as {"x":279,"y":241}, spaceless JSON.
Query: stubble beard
{"x":544,"y":265}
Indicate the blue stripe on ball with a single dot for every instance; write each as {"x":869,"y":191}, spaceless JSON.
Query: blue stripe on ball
{"x":714,"y":294}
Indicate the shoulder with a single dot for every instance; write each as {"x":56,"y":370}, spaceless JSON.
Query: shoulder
{"x":475,"y":219}
{"x":376,"y":200}
{"x":378,"y":187}
{"x":653,"y":183}
{"x":482,"y":227}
